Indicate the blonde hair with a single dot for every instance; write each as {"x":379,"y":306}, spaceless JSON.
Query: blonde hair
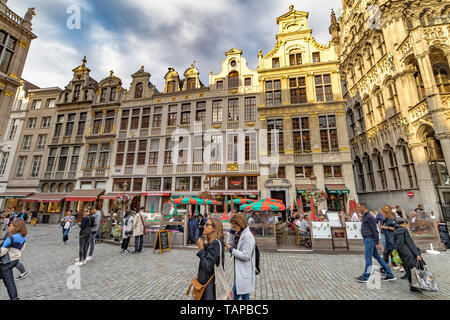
{"x":218,"y":230}
{"x":388,"y":212}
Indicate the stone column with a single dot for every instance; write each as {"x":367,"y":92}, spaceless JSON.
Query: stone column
{"x":444,"y":139}
{"x":424,"y":178}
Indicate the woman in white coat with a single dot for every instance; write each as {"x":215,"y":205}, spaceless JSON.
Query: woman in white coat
{"x":241,"y":245}
{"x":127,"y":231}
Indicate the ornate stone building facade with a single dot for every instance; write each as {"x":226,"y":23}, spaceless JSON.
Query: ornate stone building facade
{"x":15,"y":40}
{"x":394,"y":57}
{"x":302,"y":109}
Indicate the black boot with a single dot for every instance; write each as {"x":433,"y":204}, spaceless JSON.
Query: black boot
{"x":414,"y":289}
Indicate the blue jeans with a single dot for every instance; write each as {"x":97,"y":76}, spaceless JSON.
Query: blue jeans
{"x":6,"y":273}
{"x":370,"y":250}
{"x":65,"y":233}
{"x":384,"y":243}
{"x":241,"y":296}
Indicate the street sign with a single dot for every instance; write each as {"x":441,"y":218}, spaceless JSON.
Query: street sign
{"x":411,"y":194}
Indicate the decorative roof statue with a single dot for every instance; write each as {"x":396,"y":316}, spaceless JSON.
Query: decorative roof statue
{"x":29,"y":15}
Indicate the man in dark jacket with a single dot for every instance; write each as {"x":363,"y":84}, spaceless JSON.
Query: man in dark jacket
{"x":369,"y":233}
{"x":407,"y":251}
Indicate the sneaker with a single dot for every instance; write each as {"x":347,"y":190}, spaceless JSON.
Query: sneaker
{"x":89,"y":258}
{"x":77,"y":259}
{"x":415,"y":289}
{"x":396,"y":267}
{"x":402,"y":270}
{"x":127,"y":251}
{"x":362,"y":279}
{"x":405,"y":277}
{"x":83,"y":262}
{"x":23,"y":275}
{"x":389,"y":278}
{"x":79,"y":263}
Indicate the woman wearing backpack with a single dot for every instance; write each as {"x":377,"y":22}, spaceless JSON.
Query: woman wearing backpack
{"x":66,"y":224}
{"x":241,"y":244}
{"x":127,"y":231}
{"x":10,"y":253}
{"x":209,"y":255}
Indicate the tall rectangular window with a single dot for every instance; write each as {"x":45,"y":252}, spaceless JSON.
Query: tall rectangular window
{"x":37,"y":104}
{"x":216,"y":148}
{"x":21,"y":166}
{"x":232,"y":150}
{"x":7,"y":48}
{"x":63,"y":159}
{"x":103,"y":159}
{"x":328,"y":133}
{"x":250,"y":146}
{"x":154,"y":151}
{"x":50,"y":103}
{"x":98,"y":120}
{"x":103,"y":95}
{"x":275,"y":136}
{"x":36,"y":166}
{"x":12,"y":131}
{"x":142,"y":151}
{"x":41,"y":142}
{"x":26,"y":143}
{"x":297,"y":87}
{"x":46,"y":122}
{"x":112,"y":94}
{"x":275,"y":62}
{"x":157,"y":117}
{"x":74,"y":160}
{"x":69,"y":125}
{"x":186,"y":113}
{"x":76,"y":93}
{"x":120,"y":153}
{"x":301,"y":135}
{"x":145,"y":122}
{"x":3,"y":161}
{"x":124,"y":120}
{"x":135,"y":119}
{"x":316,"y":57}
{"x":273,"y":93}
{"x":295,"y":59}
{"x":51,"y":159}
{"x":109,"y":122}
{"x":31,"y":123}
{"x":130,"y":153}
{"x":233,"y":110}
{"x":324,"y":91}
{"x":172,"y":116}
{"x":217,"y":111}
{"x":198,"y":148}
{"x":200,"y":114}
{"x":250,"y":109}
{"x":169,"y":150}
{"x":91,"y":157}
{"x":167,"y":184}
{"x":81,"y":124}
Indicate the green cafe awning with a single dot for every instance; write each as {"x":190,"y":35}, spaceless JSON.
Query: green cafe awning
{"x":302,"y":188}
{"x":337,"y":188}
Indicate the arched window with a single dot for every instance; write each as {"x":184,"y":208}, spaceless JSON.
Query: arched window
{"x":408,"y":165}
{"x":369,"y":55}
{"x":412,"y":64}
{"x":380,"y":169}
{"x":392,"y":96}
{"x":53,"y":187}
{"x":138,"y":91}
{"x":69,"y":187}
{"x":233,"y":79}
{"x":436,"y":160}
{"x":45,"y":187}
{"x":360,"y":116}
{"x":370,"y":172}
{"x":380,"y":104}
{"x":171,"y":86}
{"x":393,"y":167}
{"x":359,"y":67}
{"x":360,"y":173}
{"x":61,"y":187}
{"x":440,"y":69}
{"x":381,"y":46}
{"x":191,"y":84}
{"x":351,"y":120}
{"x":370,"y":118}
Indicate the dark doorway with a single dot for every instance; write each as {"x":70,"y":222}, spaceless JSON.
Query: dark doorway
{"x":280,"y":195}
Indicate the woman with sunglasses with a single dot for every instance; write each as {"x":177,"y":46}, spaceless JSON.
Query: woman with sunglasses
{"x":209,"y":255}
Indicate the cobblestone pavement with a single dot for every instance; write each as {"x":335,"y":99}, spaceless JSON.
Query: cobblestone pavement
{"x":285,"y":276}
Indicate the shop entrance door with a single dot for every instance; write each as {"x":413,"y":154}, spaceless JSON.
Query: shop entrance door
{"x":280,"y":195}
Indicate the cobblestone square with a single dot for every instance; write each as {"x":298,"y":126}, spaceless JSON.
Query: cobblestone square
{"x":114,"y":276}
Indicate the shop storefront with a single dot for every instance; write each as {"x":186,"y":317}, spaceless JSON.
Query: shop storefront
{"x":81,"y":199}
{"x":301,"y":190}
{"x":15,"y":200}
{"x":50,"y":207}
{"x":337,"y":197}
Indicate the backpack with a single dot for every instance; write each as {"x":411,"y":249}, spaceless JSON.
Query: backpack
{"x":257,"y":260}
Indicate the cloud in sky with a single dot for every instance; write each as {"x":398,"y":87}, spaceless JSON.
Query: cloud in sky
{"x":122,"y":35}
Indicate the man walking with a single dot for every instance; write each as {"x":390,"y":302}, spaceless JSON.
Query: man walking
{"x":139,"y":230}
{"x":369,"y":233}
{"x":96,"y":216}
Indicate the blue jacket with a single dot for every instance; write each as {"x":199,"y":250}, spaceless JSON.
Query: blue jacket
{"x":369,"y":227}
{"x":390,"y":243}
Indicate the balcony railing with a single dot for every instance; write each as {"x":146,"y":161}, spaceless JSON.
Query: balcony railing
{"x":71,"y":175}
{"x":143,"y":133}
{"x":182,"y":168}
{"x":302,"y":158}
{"x":197,"y":168}
{"x":78,"y":139}
{"x":251,"y":166}
{"x":156,"y":132}
{"x":59,"y":175}
{"x":233,"y":125}
{"x":152,"y":170}
{"x":47,"y":175}
{"x":215,"y":167}
{"x":14,"y":17}
{"x":55,"y":140}
{"x":87,"y":173}
{"x":100,"y":173}
{"x":167,"y":169}
{"x":128,"y":170}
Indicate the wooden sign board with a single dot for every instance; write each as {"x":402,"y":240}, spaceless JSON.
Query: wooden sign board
{"x":354,"y":237}
{"x":162,"y":241}
{"x":321,"y":236}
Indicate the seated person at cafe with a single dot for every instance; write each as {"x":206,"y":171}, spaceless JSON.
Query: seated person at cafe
{"x":303,"y":225}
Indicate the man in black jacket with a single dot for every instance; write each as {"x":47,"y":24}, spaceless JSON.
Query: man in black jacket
{"x":85,"y":233}
{"x":369,"y":233}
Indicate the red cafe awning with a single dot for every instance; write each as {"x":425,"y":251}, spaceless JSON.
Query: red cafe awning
{"x":84,"y":195}
{"x":46,"y":197}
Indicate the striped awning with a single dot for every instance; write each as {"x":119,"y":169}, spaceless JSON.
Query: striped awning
{"x":302,"y":188}
{"x":15,"y":195}
{"x":156,"y":194}
{"x":234,"y":193}
{"x":337,"y":188}
{"x":46,"y":197}
{"x":84,"y":195}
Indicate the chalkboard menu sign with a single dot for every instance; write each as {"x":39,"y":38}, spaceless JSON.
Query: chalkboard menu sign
{"x":162,"y":241}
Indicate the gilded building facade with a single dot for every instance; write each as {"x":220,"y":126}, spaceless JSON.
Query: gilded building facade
{"x":394,"y":58}
{"x":302,"y":110}
{"x":15,"y":41}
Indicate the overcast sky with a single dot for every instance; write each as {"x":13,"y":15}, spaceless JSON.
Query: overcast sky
{"x":122,"y":35}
